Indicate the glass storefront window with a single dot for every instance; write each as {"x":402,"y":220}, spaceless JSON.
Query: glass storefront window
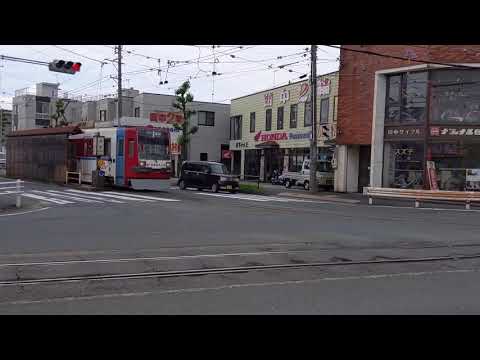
{"x":454,"y":162}
{"x":296,"y":158}
{"x":406,"y":100}
{"x":455,"y":97}
{"x":403,"y":165}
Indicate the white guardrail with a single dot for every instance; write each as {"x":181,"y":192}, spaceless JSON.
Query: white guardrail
{"x":13,"y":187}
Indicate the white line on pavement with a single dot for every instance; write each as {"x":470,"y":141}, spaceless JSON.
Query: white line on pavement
{"x":258,"y":198}
{"x":143,"y":196}
{"x":91,"y":197}
{"x":25,"y":212}
{"x":112,"y":196}
{"x":43,"y":198}
{"x":67,"y":197}
{"x":232,"y":196}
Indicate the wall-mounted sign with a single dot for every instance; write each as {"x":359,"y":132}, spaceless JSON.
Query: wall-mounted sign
{"x":281,"y":136}
{"x":268,"y":99}
{"x":238,"y":145}
{"x":300,"y":136}
{"x":167,"y":117}
{"x":324,"y":87}
{"x":226,"y":154}
{"x":271,"y":136}
{"x":304,"y":92}
{"x":403,"y":132}
{"x":284,"y":96}
{"x":445,"y":131}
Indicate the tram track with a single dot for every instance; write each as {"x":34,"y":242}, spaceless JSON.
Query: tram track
{"x":229,"y":270}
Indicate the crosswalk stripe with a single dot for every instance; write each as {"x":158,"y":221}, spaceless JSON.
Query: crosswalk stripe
{"x":67,"y":196}
{"x":232,"y":196}
{"x":53,"y":200}
{"x":92,"y":197}
{"x":143,"y":196}
{"x":254,"y":197}
{"x":112,"y":196}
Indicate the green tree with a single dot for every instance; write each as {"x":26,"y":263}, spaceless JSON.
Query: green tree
{"x":183,"y":98}
{"x":59,"y":116}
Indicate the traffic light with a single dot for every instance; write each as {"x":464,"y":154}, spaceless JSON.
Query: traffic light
{"x":66,"y":67}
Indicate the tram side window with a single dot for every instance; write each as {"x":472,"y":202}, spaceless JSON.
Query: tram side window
{"x":108,"y":147}
{"x":131,"y":148}
{"x":120,"y":147}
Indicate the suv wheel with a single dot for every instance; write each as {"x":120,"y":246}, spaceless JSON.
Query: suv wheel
{"x":182,"y":185}
{"x":215,"y":187}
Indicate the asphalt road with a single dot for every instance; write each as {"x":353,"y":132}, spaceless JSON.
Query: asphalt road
{"x":131,"y":232}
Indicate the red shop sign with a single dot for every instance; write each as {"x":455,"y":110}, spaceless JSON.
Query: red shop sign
{"x":271,"y":137}
{"x":226,"y":154}
{"x":166,"y":117}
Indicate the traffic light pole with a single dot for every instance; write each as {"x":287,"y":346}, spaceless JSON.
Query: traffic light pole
{"x":119,"y":65}
{"x":313,"y":145}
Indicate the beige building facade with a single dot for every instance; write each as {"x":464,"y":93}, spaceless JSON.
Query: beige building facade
{"x":271,"y":130}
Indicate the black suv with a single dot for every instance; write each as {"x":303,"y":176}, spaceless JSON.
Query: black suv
{"x":207,"y":175}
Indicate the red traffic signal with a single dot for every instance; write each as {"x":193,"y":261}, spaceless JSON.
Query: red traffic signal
{"x":76,"y":67}
{"x":66,"y":67}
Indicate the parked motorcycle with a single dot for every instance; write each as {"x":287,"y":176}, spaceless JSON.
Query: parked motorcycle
{"x":276,"y":178}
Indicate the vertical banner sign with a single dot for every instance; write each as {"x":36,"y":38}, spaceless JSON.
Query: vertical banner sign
{"x":268,"y":99}
{"x":175,"y":148}
{"x":324,"y":87}
{"x":304,"y":93}
{"x":432,"y":175}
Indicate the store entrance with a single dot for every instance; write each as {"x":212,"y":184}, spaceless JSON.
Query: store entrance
{"x":273,"y":161}
{"x":364,"y":167}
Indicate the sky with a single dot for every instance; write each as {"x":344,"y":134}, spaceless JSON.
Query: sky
{"x":241,"y":70}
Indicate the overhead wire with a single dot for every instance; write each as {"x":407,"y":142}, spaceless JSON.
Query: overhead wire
{"x":412,"y":59}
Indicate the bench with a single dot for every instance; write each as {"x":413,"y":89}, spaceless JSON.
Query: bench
{"x":76,"y":175}
{"x":418,"y":195}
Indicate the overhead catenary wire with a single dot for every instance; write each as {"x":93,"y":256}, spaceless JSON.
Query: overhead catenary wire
{"x":81,"y":55}
{"x":412,"y":59}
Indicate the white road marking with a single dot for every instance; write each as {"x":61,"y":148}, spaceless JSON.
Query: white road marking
{"x":231,"y":196}
{"x":7,"y":187}
{"x":8,"y":192}
{"x":91,"y":197}
{"x":258,"y":198}
{"x":233,"y":286}
{"x":43,"y":198}
{"x":68,"y":197}
{"x":25,"y":212}
{"x":143,"y":196}
{"x":112,"y":196}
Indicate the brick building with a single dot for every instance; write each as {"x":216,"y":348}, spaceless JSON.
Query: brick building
{"x":393,"y":106}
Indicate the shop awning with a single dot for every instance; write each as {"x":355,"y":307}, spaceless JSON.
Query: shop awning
{"x":267,"y":145}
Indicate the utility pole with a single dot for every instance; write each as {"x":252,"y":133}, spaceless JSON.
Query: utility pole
{"x":119,"y":81}
{"x":313,"y":101}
